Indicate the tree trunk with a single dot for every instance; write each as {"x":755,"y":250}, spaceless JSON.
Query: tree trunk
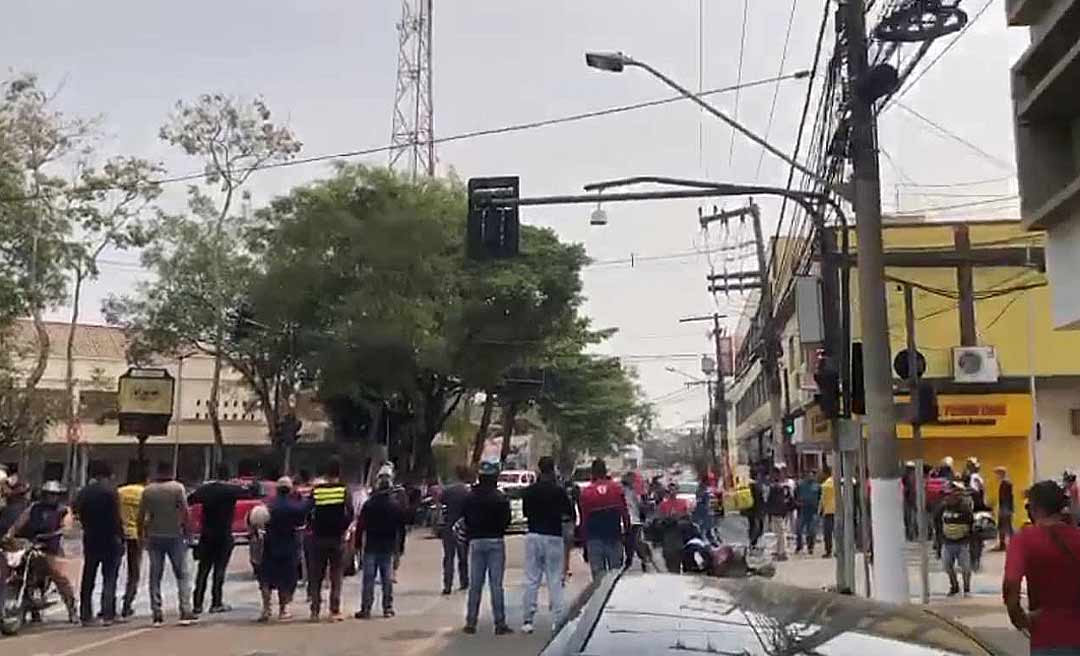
{"x":219,"y":329}
{"x":69,"y":374}
{"x":509,"y":417}
{"x":215,"y":394}
{"x":482,"y":431}
{"x":566,"y":458}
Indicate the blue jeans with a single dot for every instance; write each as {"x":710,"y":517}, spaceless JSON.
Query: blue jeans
{"x":604,"y":556}
{"x":543,"y":558}
{"x":177,"y":551}
{"x":383,"y":563}
{"x":806,"y":530}
{"x":487,"y":557}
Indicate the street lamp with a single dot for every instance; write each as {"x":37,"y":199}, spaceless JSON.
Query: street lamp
{"x":616,"y":62}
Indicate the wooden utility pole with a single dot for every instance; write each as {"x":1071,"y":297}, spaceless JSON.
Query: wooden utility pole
{"x":890,"y":569}
{"x":769,"y":343}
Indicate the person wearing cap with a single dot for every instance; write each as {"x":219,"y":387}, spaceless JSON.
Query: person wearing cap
{"x":280,"y":563}
{"x":98,"y":510}
{"x":42,"y":522}
{"x":957,"y":532}
{"x":546,"y":506}
{"x":163,"y":518}
{"x":1046,"y":554}
{"x":377,"y":529}
{"x":487,"y":514}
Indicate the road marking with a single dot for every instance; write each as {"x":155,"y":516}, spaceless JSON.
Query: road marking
{"x":101,"y":643}
{"x":425,"y":645}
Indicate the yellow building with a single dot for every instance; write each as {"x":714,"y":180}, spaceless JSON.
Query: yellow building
{"x":1003,"y":313}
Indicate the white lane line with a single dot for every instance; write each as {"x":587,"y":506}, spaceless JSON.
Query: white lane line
{"x":101,"y":643}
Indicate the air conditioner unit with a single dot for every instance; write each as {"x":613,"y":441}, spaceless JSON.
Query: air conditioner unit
{"x":975,"y":364}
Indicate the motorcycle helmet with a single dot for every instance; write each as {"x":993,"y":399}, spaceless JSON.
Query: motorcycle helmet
{"x":259,"y":516}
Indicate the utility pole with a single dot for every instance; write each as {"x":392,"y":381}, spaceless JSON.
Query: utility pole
{"x":916,"y":435}
{"x":769,"y":345}
{"x":890,"y":569}
{"x":717,"y":407}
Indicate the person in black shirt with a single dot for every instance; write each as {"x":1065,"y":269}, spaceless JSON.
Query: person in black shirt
{"x":546,"y":506}
{"x":487,"y":514}
{"x":331,"y":515}
{"x":218,"y":499}
{"x":453,"y":500}
{"x":98,"y":510}
{"x":1006,"y":508}
{"x":377,"y":532}
{"x":958,"y":531}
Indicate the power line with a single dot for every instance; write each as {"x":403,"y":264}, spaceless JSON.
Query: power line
{"x":936,"y":59}
{"x":957,"y":138}
{"x":738,"y":81}
{"x":958,"y":206}
{"x":970,"y":183}
{"x":776,"y":89}
{"x":515,"y":127}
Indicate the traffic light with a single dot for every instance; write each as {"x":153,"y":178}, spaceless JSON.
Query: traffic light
{"x":827,"y":377}
{"x":789,"y":427}
{"x":493,"y":229}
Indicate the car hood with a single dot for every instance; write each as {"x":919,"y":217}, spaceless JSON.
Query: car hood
{"x":669,"y":614}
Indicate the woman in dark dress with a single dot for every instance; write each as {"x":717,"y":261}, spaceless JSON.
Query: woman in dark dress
{"x":280,"y":560}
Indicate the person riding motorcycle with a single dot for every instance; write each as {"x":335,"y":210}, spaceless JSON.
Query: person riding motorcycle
{"x":42,"y":523}
{"x":12,"y":506}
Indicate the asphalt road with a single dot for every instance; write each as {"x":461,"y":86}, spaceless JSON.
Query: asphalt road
{"x":426,"y":622}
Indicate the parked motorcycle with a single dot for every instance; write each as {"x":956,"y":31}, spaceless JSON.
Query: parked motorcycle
{"x":28,"y":584}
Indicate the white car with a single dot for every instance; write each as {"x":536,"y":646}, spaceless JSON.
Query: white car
{"x":512,"y":483}
{"x":687,"y":491}
{"x":516,"y":478}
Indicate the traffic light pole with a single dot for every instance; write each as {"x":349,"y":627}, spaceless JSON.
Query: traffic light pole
{"x":890,"y":569}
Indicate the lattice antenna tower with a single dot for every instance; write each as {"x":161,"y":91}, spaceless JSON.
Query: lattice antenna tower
{"x":412,"y":141}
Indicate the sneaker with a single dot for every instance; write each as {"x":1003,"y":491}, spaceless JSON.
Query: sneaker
{"x":188,"y":620}
{"x":447,"y":591}
{"x":86,"y":624}
{"x":314,"y":617}
{"x":502,"y":630}
{"x":469,"y":630}
{"x":362,"y":615}
{"x":196,"y":611}
{"x":953,"y":592}
{"x":336,"y":617}
{"x":127,"y":612}
{"x":464,"y":587}
{"x":388,"y":613}
{"x":158,"y":621}
{"x":221,"y":608}
{"x":527,"y":628}
{"x":264,"y":617}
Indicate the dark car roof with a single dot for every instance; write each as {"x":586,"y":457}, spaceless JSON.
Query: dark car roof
{"x":671,"y":614}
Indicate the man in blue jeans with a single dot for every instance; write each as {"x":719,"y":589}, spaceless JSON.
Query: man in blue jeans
{"x":605,"y":519}
{"x":163,"y":517}
{"x":487,"y":514}
{"x":546,"y":506}
{"x":98,"y":510}
{"x":377,"y":531}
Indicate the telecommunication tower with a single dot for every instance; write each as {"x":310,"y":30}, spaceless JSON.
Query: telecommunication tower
{"x":412,"y":141}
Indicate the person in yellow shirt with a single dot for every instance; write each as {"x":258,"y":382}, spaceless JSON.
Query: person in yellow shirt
{"x":130,"y":500}
{"x":827,"y":508}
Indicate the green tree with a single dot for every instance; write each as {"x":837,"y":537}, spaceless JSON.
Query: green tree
{"x":201,"y":262}
{"x":594,"y":407}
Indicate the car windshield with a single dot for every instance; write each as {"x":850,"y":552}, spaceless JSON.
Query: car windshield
{"x":509,"y":478}
{"x":582,"y":475}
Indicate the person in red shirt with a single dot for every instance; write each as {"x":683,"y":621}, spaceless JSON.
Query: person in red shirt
{"x":604,"y":520}
{"x":672,"y":505}
{"x":1047,"y":554}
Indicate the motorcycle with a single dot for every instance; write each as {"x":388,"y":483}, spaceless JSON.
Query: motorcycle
{"x":28,"y":584}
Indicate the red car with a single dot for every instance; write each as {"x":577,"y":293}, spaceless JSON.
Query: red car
{"x":255,"y":492}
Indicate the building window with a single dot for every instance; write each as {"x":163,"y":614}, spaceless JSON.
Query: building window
{"x":1074,"y":419}
{"x":198,"y":402}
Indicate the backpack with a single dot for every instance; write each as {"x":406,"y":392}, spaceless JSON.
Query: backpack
{"x":744,"y":498}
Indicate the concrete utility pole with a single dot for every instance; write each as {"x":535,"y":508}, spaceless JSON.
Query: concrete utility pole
{"x":717,"y":402}
{"x":916,"y":435}
{"x":769,"y":344}
{"x":890,"y":569}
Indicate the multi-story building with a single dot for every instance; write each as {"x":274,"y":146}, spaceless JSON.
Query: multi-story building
{"x":1008,"y":384}
{"x":100,"y":358}
{"x":1046,"y":107}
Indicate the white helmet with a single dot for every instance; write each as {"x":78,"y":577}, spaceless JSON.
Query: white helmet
{"x":259,"y":516}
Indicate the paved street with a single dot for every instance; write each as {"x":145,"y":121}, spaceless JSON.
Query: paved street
{"x":427,"y":623}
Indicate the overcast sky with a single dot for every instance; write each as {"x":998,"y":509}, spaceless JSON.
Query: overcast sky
{"x":328,"y":67}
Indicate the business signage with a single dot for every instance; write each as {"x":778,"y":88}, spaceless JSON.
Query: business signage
{"x":145,"y":401}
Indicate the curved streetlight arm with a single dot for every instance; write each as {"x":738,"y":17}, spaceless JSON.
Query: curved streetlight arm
{"x":616,"y":62}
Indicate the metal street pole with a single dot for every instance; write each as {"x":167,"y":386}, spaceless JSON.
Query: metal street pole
{"x":179,"y":416}
{"x":916,"y":434}
{"x":890,"y":570}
